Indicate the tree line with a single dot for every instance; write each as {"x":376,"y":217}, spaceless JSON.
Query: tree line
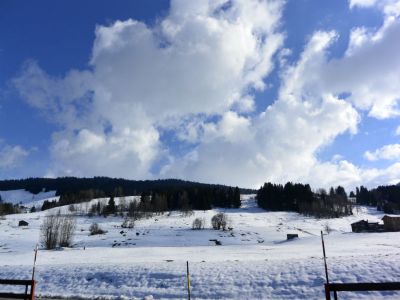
{"x":106,"y":185}
{"x":8,"y":208}
{"x":166,"y":199}
{"x":300,"y":198}
{"x":174,"y":192}
{"x":385,"y":198}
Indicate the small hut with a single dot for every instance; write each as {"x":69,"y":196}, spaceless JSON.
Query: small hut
{"x":23,"y":223}
{"x":291,"y":236}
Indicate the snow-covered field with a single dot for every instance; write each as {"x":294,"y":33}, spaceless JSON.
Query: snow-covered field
{"x":27,"y":198}
{"x":254,"y":262}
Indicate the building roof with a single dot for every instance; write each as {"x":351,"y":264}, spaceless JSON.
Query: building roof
{"x":363,"y":221}
{"x":390,"y":217}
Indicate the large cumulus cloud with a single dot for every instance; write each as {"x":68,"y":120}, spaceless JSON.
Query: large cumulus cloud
{"x":195,"y":73}
{"x":202,"y":59}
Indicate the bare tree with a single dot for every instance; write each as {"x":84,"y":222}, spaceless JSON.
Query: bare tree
{"x":67,"y":230}
{"x":122,"y":206}
{"x":133,"y":210}
{"x":328,"y":229}
{"x":49,"y":231}
{"x":219,"y":221}
{"x":198,"y":223}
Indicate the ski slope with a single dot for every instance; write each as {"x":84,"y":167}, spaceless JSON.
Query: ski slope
{"x":254,"y":261}
{"x":26,"y":198}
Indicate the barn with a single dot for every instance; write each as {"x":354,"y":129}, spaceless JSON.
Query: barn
{"x":391,"y":223}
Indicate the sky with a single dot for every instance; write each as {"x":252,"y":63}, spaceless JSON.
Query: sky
{"x":237,"y":92}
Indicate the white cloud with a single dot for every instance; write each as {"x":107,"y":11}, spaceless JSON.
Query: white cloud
{"x":387,"y":6}
{"x":307,"y":116}
{"x":202,"y":60}
{"x":11,"y":156}
{"x":389,"y":152}
{"x":62,"y":100}
{"x":194,"y":73}
{"x":362,"y":3}
{"x":280,"y":144}
{"x":370,"y":71}
{"x":89,"y":154}
{"x":231,"y":127}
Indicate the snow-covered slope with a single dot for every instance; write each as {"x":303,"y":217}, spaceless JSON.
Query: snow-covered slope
{"x":254,"y":262}
{"x":27,"y":198}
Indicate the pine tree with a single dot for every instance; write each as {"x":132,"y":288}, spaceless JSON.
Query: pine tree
{"x":236,"y":198}
{"x":110,"y":208}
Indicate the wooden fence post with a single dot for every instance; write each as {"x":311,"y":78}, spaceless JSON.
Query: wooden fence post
{"x":323,"y":250}
{"x":188,"y":279}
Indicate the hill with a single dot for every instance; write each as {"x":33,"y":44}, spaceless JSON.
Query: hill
{"x":63,"y":185}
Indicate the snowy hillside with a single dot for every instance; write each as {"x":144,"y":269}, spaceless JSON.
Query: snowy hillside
{"x":27,"y":198}
{"x":254,"y":261}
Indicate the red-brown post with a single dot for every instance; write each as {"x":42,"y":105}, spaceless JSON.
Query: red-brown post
{"x":327,"y":292}
{"x":33,"y":290}
{"x":188,"y":279}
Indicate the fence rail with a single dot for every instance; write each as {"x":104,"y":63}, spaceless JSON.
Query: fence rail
{"x":359,"y":287}
{"x":29,"y":293}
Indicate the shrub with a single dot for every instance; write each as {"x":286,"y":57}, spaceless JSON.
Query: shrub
{"x":57,"y":230}
{"x":219,"y":221}
{"x":128,"y":223}
{"x":198,"y":223}
{"x":72,"y":208}
{"x":328,"y":229}
{"x":95,"y":229}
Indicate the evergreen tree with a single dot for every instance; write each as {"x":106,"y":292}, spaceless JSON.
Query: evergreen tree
{"x":331,"y":192}
{"x":340,"y":191}
{"x":300,"y":198}
{"x":110,"y":208}
{"x":236,"y":203}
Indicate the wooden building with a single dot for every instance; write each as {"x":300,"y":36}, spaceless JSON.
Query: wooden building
{"x":391,"y":223}
{"x":365,"y":226}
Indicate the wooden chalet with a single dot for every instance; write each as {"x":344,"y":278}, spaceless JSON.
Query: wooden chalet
{"x":391,"y":223}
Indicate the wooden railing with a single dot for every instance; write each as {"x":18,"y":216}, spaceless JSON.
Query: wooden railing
{"x":29,"y":293}
{"x":353,"y":287}
{"x":359,"y":287}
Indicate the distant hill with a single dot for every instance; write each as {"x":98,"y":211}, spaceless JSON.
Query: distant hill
{"x":63,"y":185}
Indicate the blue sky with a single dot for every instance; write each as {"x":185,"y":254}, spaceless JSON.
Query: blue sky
{"x":234,"y":92}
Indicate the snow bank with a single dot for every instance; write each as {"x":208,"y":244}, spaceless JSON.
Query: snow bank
{"x":264,"y":279}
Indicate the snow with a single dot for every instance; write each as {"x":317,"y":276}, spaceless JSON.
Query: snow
{"x":27,"y":198}
{"x":254,"y":262}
